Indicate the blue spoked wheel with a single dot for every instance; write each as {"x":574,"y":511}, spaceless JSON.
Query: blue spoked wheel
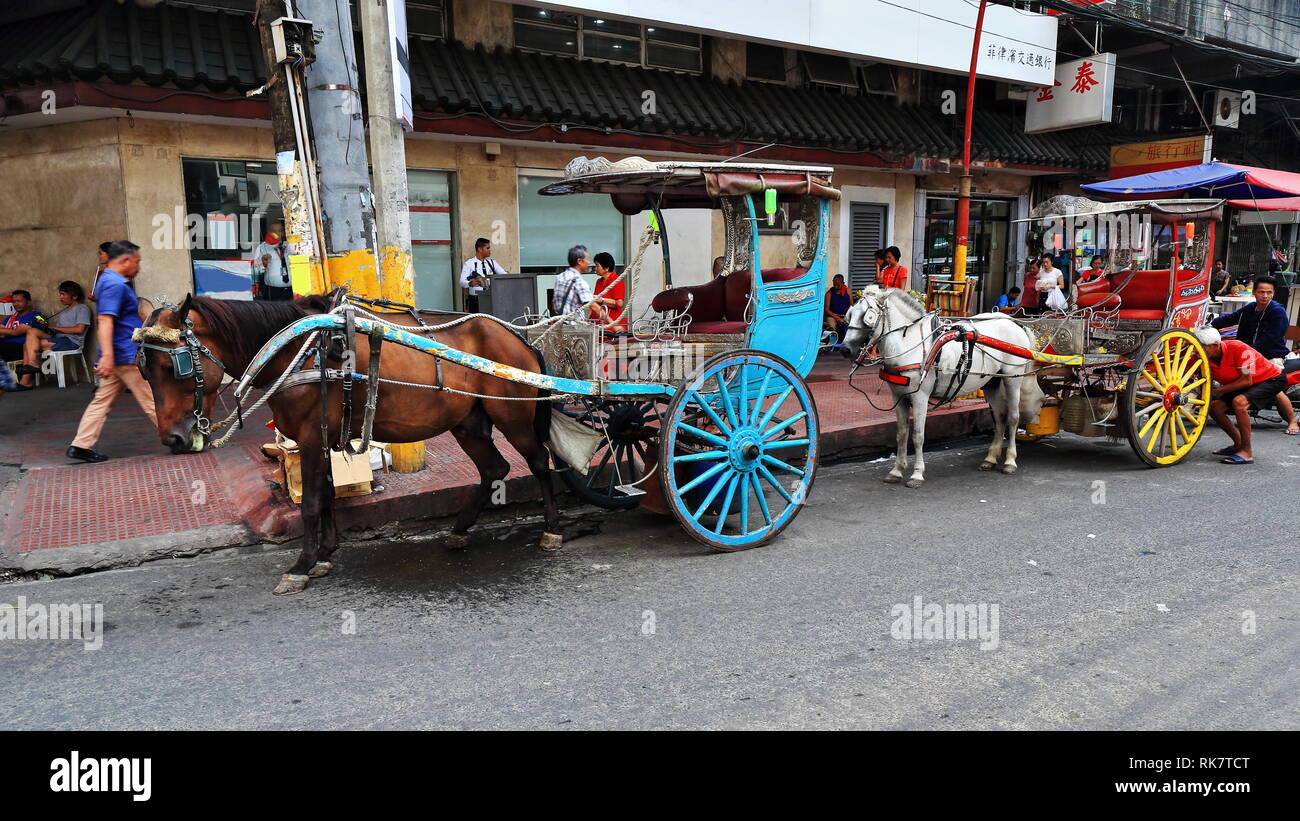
{"x":738,"y":451}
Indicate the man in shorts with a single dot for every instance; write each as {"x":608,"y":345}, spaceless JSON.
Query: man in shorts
{"x":1247,"y":381}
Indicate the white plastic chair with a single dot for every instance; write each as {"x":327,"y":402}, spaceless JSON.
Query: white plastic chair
{"x":54,"y":363}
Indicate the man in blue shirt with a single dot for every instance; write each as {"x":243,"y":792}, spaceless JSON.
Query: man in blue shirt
{"x":1009,"y":299}
{"x":1263,"y":326}
{"x":119,"y":316}
{"x":13,"y":333}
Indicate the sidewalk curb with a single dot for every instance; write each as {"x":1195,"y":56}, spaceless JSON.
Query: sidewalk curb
{"x":268,"y":518}
{"x":128,"y":552}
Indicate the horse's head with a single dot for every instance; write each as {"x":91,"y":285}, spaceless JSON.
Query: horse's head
{"x":183,"y":361}
{"x":864,"y":319}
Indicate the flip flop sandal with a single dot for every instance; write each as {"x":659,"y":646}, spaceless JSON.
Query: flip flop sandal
{"x":1234,"y":459}
{"x":1292,"y":432}
{"x":1225,"y":451}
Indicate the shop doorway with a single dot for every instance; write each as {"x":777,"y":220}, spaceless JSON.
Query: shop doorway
{"x":990,"y":256}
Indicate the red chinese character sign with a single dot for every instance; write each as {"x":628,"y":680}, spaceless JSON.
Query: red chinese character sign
{"x":1084,"y":78}
{"x":1082,"y":94}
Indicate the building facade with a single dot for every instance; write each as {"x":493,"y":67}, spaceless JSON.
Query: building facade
{"x":129,"y":119}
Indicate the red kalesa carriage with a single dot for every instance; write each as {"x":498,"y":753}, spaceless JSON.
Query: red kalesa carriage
{"x":1122,"y":359}
{"x":1119,"y":360}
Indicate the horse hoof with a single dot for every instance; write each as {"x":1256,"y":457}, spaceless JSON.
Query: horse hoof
{"x":457,"y":541}
{"x":891,"y":479}
{"x":320,"y":569}
{"x":550,"y":541}
{"x":290,"y":583}
{"x":1008,"y":469}
{"x":914,"y":483}
{"x":988,"y":465}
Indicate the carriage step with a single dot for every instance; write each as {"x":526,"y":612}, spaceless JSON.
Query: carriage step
{"x":629,"y":490}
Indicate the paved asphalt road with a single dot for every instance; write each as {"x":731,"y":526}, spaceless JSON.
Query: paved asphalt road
{"x":1127,"y":614}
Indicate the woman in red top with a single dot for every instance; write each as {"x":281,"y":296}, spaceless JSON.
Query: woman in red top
{"x":608,"y":308}
{"x":893,"y":275}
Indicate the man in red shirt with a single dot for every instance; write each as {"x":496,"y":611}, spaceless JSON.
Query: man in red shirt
{"x":1247,"y":381}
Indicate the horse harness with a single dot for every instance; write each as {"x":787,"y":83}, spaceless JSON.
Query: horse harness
{"x":186,"y":365}
{"x":902,"y":376}
{"x":342,"y":345}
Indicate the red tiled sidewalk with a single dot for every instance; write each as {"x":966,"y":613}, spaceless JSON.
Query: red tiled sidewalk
{"x":146,"y":495}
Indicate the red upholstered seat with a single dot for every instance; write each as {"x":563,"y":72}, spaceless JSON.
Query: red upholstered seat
{"x":1144,"y":297}
{"x":719,"y":305}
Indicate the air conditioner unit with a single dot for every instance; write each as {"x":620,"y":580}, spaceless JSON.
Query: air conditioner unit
{"x":1227,"y":108}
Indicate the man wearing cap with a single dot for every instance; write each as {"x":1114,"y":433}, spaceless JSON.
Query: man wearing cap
{"x":275,"y":277}
{"x":1247,"y":381}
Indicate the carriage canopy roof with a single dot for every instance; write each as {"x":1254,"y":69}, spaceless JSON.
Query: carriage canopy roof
{"x":633,"y":183}
{"x":1243,"y":186}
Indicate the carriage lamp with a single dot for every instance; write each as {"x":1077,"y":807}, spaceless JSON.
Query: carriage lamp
{"x":769,"y":205}
{"x":1191,"y":231}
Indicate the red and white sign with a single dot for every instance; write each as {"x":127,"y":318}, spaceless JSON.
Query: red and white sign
{"x":1083,"y":94}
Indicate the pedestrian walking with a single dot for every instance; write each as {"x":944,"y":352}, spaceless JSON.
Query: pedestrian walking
{"x":119,"y":316}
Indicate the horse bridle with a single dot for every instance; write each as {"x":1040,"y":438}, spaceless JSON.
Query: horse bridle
{"x":870,"y":341}
{"x":185,"y":365}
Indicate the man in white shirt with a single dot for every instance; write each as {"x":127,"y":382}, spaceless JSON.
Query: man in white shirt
{"x":571,"y":290}
{"x":269,"y":256}
{"x":475,"y":273}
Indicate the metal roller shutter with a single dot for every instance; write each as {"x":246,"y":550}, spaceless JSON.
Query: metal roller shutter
{"x":866,"y":236}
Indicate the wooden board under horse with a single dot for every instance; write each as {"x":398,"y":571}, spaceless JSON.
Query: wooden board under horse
{"x":904,"y":336}
{"x":182,"y":369}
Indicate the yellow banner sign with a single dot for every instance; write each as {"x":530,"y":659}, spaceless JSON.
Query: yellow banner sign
{"x":1143,"y":158}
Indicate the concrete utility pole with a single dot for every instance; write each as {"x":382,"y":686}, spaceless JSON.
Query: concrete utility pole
{"x":338,"y":135}
{"x":388,"y":147}
{"x":320,"y":143}
{"x":302,"y":219}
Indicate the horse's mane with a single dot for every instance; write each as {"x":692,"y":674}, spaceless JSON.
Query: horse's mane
{"x":906,"y":305}
{"x":246,"y":324}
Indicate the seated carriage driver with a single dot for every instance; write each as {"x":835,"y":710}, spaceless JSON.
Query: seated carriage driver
{"x":1247,"y":381}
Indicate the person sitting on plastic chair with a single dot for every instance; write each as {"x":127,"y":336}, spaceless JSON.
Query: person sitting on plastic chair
{"x":65,"y":332}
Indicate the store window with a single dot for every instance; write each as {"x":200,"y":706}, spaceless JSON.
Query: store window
{"x":989,"y":256}
{"x":550,"y":226}
{"x":436,"y":269}
{"x":229,"y":206}
{"x":600,"y":38}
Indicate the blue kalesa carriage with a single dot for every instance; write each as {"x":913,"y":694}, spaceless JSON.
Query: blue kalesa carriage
{"x":706,"y":390}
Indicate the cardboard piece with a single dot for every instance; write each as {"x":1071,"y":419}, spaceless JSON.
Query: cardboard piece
{"x":352,"y":475}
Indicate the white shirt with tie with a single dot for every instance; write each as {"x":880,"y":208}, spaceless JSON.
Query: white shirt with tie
{"x":481,"y":269}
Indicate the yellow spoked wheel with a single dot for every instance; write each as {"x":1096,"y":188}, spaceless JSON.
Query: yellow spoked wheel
{"x":1167,"y":398}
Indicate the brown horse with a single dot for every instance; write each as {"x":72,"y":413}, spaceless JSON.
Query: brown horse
{"x":233,"y":332}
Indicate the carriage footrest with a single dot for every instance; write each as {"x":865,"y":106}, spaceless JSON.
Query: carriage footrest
{"x":629,"y":490}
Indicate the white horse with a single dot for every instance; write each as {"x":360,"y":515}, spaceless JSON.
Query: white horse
{"x":904,"y":333}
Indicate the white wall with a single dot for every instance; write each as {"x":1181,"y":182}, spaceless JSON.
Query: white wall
{"x":861,"y":193}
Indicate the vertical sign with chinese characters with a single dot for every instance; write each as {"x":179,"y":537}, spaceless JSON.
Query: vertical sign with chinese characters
{"x":1082,"y":94}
